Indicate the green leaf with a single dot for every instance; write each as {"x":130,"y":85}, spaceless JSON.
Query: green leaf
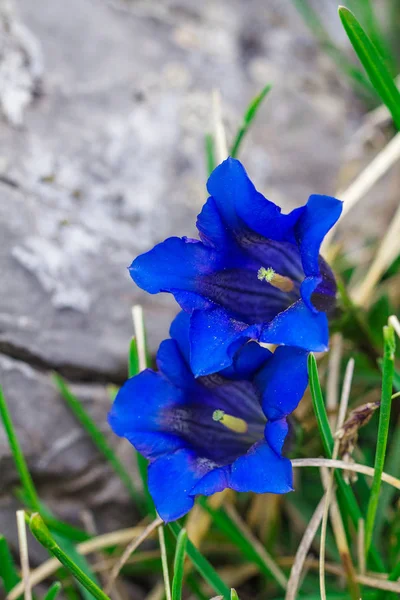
{"x":202,"y":565}
{"x":347,"y":501}
{"x":355,"y":75}
{"x":210,"y":153}
{"x":42,"y":534}
{"x":383,"y":431}
{"x":133,"y":359}
{"x":373,"y":63}
{"x":249,"y":116}
{"x":53,"y":591}
{"x":234,"y":595}
{"x":97,"y":436}
{"x":179,"y":562}
{"x":8,"y":571}
{"x":19,"y":459}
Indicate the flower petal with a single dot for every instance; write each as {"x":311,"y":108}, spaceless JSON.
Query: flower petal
{"x":247,"y":360}
{"x":261,"y":470}
{"x":171,"y":363}
{"x":171,"y":479}
{"x":214,"y":339}
{"x":211,"y":228}
{"x":174,"y":266}
{"x":298,"y":326}
{"x":283,"y":381}
{"x":137,"y":413}
{"x":275,"y":434}
{"x":179,"y":331}
{"x":318,"y":217}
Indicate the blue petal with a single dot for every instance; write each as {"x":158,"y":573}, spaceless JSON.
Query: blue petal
{"x":137,"y":413}
{"x":261,"y":470}
{"x":179,"y":331}
{"x":298,"y":326}
{"x":275,"y":434}
{"x":211,"y":228}
{"x":214,"y":339}
{"x":172,"y":364}
{"x":171,"y":479}
{"x":174,"y":265}
{"x":283,"y":381}
{"x":214,"y":481}
{"x":247,"y":360}
{"x":319,"y":216}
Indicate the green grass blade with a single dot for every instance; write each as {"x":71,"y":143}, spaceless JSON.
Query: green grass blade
{"x":42,"y":534}
{"x":179,"y":562}
{"x":373,"y":63}
{"x":210,"y":153}
{"x":222,"y":520}
{"x":248,"y":118}
{"x":97,"y":436}
{"x":53,"y":591}
{"x":133,"y":359}
{"x":234,"y":595}
{"x":355,"y":75}
{"x":383,"y":430}
{"x":388,"y":492}
{"x":202,"y":565}
{"x":8,"y":571}
{"x":347,"y":500}
{"x":19,"y":459}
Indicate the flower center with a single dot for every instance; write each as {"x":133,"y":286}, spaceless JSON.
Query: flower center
{"x":230,"y":422}
{"x":283,"y":283}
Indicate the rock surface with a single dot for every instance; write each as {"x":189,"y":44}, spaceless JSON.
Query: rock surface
{"x":101,"y":156}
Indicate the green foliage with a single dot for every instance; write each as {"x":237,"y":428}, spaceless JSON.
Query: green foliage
{"x":42,"y":534}
{"x":179,"y":562}
{"x":248,"y":118}
{"x":373,"y":63}
{"x":8,"y":571}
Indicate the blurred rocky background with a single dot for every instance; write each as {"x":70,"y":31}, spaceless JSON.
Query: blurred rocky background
{"x":104,"y":106}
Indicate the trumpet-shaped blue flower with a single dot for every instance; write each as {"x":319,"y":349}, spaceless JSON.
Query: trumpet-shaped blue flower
{"x":255,"y":274}
{"x":216,"y":431}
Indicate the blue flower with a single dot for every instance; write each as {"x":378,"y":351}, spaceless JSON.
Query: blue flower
{"x":255,"y":274}
{"x":204,"y":434}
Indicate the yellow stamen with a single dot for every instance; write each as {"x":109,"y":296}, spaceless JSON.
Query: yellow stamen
{"x":285,"y":284}
{"x":233,"y":423}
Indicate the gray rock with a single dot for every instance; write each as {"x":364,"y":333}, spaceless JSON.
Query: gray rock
{"x":107,"y":160}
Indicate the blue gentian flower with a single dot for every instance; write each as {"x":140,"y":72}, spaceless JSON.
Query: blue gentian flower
{"x":255,"y":274}
{"x":202,"y":435}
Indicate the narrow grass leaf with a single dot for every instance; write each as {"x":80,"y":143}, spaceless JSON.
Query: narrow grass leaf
{"x":53,"y":591}
{"x":229,"y":528}
{"x":210,"y":153}
{"x":42,"y":534}
{"x":8,"y":570}
{"x":202,"y":565}
{"x":133,"y":358}
{"x":248,"y":118}
{"x":347,"y":501}
{"x":19,"y":459}
{"x":97,"y":436}
{"x":234,"y":595}
{"x":355,"y":75}
{"x":179,"y":562}
{"x":383,"y":430}
{"x":373,"y":63}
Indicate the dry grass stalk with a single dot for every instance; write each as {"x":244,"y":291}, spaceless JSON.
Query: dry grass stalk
{"x":332,"y":382}
{"x":138,"y":327}
{"x":361,"y":546}
{"x":23,"y":553}
{"x":128,"y":551}
{"x":164,"y":562}
{"x":366,"y":180}
{"x":221,"y":148}
{"x":341,"y":464}
{"x":268,"y":560}
{"x":330,"y":502}
{"x":302,"y":551}
{"x":388,"y":251}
